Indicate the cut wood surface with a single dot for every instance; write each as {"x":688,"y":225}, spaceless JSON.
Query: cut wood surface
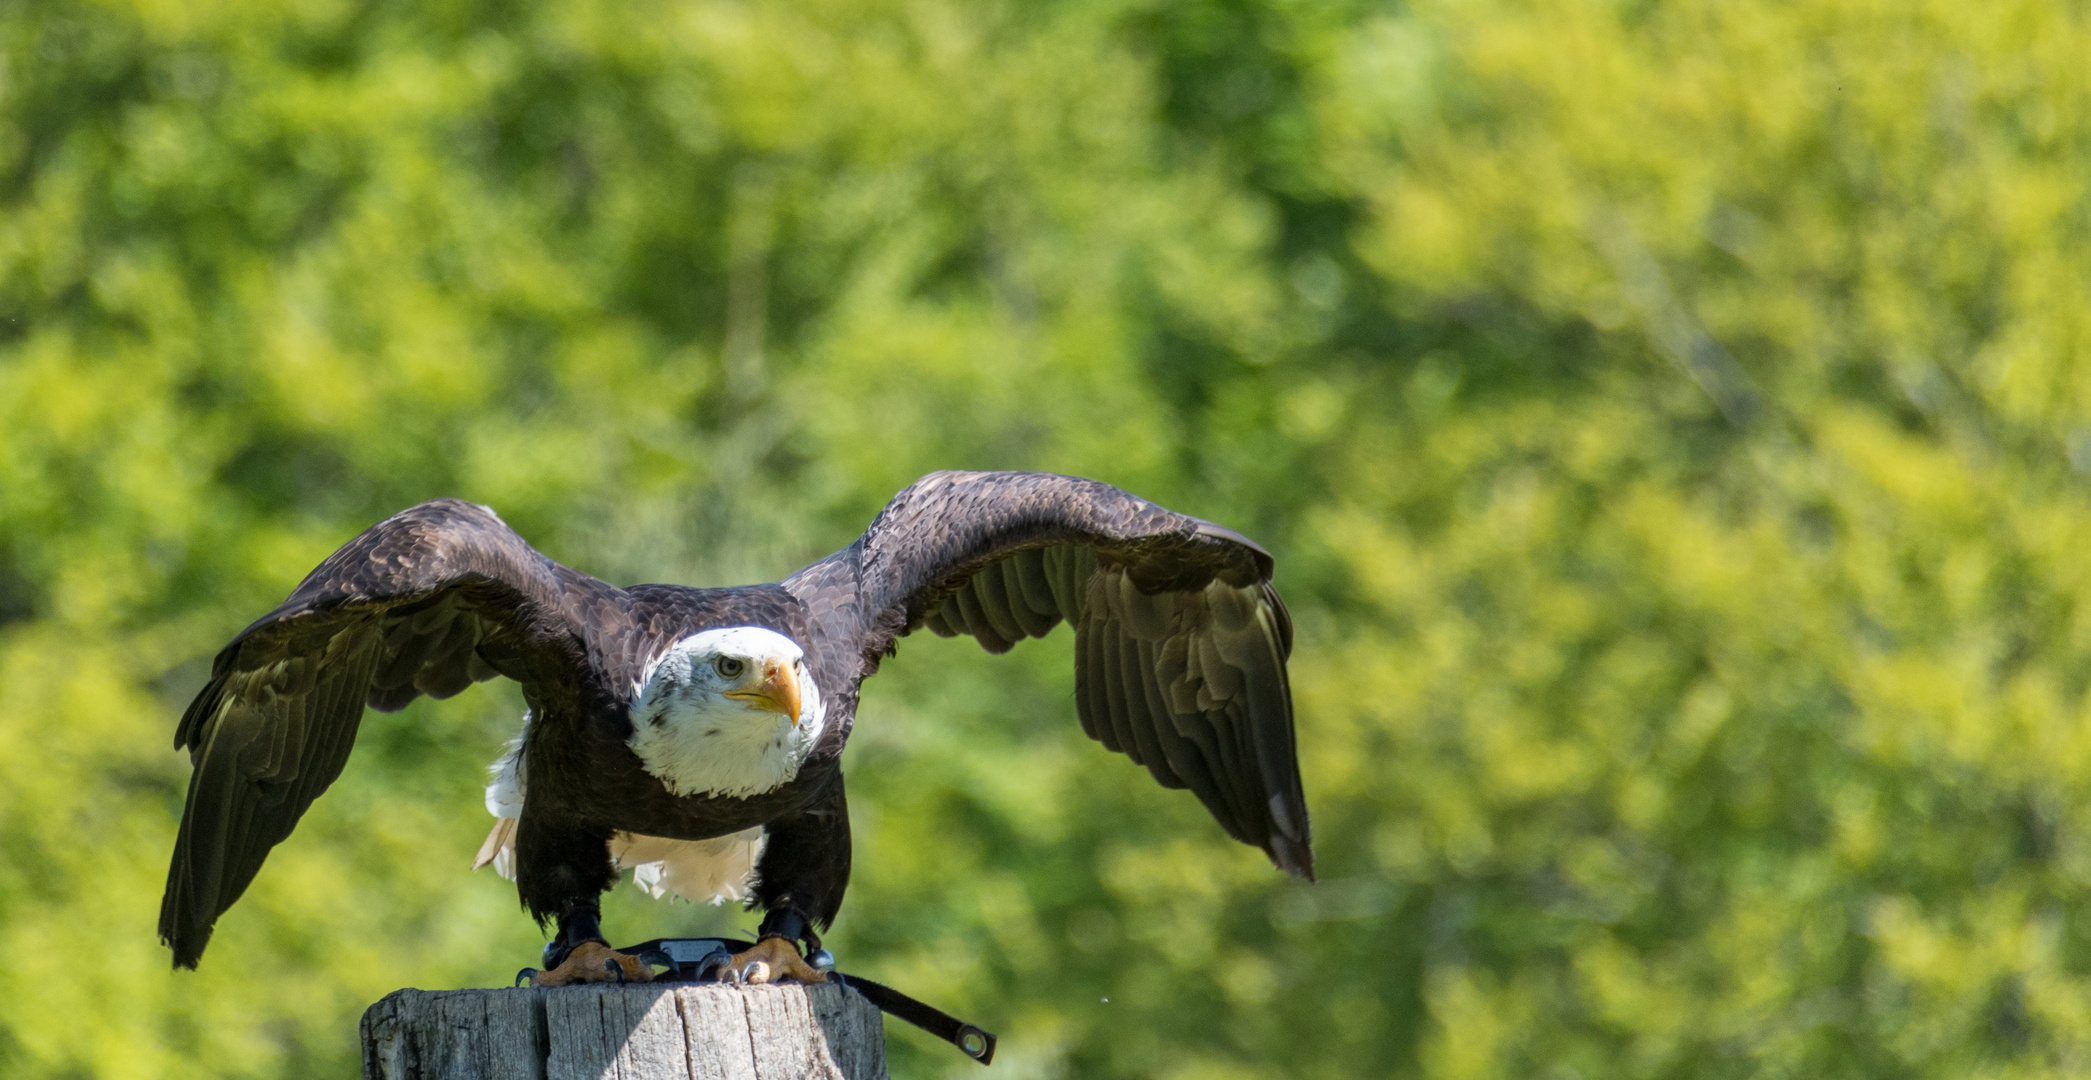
{"x":676,"y":1031}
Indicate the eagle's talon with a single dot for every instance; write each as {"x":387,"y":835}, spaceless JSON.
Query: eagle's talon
{"x":526,"y":977}
{"x":594,"y":962}
{"x":655,"y":958}
{"x":773,"y":959}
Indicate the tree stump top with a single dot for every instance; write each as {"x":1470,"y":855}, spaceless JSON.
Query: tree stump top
{"x":655,"y":1031}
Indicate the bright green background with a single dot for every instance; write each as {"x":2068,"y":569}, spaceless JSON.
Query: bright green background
{"x":1640,"y":741}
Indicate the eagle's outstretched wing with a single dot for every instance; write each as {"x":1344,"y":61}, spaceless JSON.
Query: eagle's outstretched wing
{"x":428,"y":601}
{"x":1180,"y":641}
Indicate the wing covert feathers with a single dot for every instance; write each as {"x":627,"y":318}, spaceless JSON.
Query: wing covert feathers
{"x":1180,"y":640}
{"x":402,"y":610}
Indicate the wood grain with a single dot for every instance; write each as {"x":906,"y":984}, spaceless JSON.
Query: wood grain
{"x":599,"y":1032}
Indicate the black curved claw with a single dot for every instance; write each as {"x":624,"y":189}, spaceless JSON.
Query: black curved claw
{"x":714,"y":965}
{"x":524,"y":976}
{"x":615,"y":968}
{"x":657,"y":958}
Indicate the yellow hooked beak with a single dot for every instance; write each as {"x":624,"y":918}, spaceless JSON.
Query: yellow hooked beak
{"x":778,"y":692}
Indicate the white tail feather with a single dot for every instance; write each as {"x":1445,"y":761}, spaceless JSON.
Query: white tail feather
{"x":499,"y":849}
{"x":709,"y":871}
{"x":713,"y":871}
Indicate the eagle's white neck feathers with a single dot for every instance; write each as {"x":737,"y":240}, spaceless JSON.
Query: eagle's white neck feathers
{"x":698,"y":741}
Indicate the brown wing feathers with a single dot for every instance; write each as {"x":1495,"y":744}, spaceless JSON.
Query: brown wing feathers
{"x":433,"y":651}
{"x":1180,"y":641}
{"x":276,"y":738}
{"x":1016,"y":598}
{"x":1206,"y":698}
{"x":398,"y":612}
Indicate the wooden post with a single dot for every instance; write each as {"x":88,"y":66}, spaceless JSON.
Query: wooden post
{"x":666,"y":1031}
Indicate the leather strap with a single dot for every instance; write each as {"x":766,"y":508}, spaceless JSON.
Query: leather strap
{"x":791,"y":924}
{"x":975,"y":1043}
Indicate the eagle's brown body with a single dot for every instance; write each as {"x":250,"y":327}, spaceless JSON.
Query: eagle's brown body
{"x":1180,"y":664}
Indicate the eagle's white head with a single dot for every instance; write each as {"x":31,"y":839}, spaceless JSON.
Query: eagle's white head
{"x":731,"y":711}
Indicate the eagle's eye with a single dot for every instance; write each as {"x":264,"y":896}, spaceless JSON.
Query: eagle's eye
{"x":730,"y":667}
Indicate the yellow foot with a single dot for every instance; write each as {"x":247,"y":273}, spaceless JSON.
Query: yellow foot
{"x":593,"y":962}
{"x":774,"y":960}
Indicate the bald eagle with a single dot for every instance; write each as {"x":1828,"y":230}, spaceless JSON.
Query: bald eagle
{"x":695,"y":735}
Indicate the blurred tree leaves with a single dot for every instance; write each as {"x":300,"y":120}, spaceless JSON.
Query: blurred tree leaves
{"x":1647,"y":734}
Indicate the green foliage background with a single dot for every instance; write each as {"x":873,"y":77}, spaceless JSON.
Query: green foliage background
{"x":1670,"y":417}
